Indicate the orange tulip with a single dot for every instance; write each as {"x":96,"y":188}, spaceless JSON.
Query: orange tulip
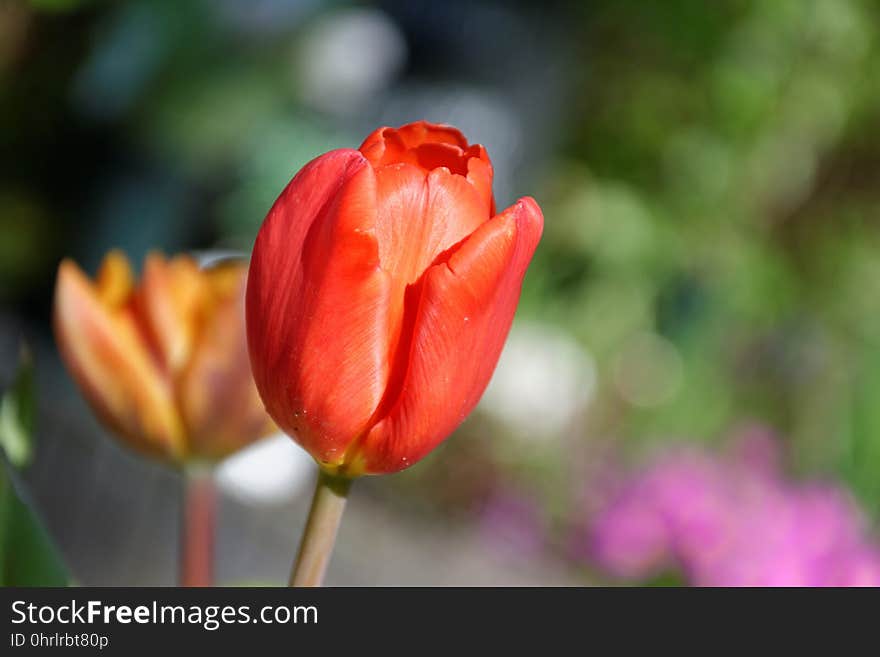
{"x":381,"y":290}
{"x":163,"y":363}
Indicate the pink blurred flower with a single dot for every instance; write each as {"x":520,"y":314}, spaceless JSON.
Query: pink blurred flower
{"x":733,"y":521}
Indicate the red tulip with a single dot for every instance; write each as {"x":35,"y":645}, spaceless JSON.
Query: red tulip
{"x":381,"y":290}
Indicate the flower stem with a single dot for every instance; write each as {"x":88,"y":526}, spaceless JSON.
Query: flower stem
{"x":316,"y":546}
{"x":197,"y":528}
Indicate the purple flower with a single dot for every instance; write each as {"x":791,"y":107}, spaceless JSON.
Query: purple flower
{"x":733,"y":521}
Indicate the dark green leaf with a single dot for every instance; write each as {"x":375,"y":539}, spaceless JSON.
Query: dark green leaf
{"x":28,"y":557}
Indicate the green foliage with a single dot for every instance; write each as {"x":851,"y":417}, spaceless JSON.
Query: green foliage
{"x":28,"y":556}
{"x":720,"y":190}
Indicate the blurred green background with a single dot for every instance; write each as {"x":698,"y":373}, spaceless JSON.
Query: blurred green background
{"x":710,"y":178}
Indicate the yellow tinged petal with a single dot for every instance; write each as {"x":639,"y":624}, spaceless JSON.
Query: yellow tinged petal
{"x":108,"y":358}
{"x":115,"y":281}
{"x":218,"y":397}
{"x":225,"y":278}
{"x":172,"y":297}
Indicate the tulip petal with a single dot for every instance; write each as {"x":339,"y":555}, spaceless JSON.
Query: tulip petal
{"x":480,"y":175}
{"x":107,"y":356}
{"x":421,"y":216}
{"x":172,"y":294}
{"x":389,"y":145}
{"x":421,"y":132}
{"x":464,"y":312}
{"x":430,"y":146}
{"x":115,"y":280}
{"x":219,"y":401}
{"x":318,"y":306}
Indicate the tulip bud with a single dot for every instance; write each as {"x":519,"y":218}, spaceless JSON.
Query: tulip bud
{"x":381,"y":290}
{"x":163,"y":363}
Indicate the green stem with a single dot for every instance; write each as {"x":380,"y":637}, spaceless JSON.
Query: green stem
{"x":316,"y":546}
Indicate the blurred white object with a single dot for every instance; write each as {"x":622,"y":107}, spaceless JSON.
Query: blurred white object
{"x":543,"y":381}
{"x":347,"y":57}
{"x":211,"y":257}
{"x":271,"y":471}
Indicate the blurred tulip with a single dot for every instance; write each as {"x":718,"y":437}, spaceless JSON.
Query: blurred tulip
{"x":381,"y":290}
{"x":164,"y":362}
